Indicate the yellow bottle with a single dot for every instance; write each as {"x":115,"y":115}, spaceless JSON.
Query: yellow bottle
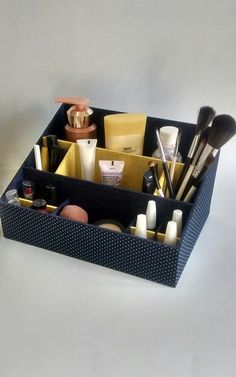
{"x":125,"y":132}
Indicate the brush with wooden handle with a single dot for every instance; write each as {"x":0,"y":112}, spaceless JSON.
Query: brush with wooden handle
{"x":205,"y":117}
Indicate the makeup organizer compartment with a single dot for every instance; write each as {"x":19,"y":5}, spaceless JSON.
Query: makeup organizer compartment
{"x":146,"y":258}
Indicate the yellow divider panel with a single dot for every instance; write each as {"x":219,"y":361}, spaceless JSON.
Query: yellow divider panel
{"x":28,"y":203}
{"x":150,"y":233}
{"x":44,"y":157}
{"x":70,"y":166}
{"x":134,"y":169}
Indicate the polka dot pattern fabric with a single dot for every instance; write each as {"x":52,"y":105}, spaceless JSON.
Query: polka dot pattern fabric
{"x":197,"y":219}
{"x":144,"y":258}
{"x":147,"y":259}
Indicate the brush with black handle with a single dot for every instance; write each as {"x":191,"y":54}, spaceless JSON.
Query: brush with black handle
{"x":196,"y":181}
{"x":222,"y":130}
{"x":191,"y":167}
{"x":205,"y":116}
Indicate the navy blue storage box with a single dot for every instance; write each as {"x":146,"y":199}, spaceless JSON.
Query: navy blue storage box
{"x":147,"y":259}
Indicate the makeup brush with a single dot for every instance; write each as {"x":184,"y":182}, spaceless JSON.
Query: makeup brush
{"x":196,"y":182}
{"x":190,"y":169}
{"x":165,"y":166}
{"x":205,"y":116}
{"x":222,"y":130}
{"x":154,"y":169}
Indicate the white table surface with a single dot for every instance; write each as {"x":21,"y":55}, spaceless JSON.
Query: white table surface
{"x":60,"y":316}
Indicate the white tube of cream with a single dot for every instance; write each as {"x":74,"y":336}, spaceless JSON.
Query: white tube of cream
{"x":111,"y":172}
{"x":37,"y":156}
{"x":87,"y":152}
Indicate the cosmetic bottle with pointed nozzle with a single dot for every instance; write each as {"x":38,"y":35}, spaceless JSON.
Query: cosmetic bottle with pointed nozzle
{"x":80,"y":123}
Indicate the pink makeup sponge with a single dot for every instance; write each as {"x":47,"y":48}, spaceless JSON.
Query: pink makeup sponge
{"x":75,"y":213}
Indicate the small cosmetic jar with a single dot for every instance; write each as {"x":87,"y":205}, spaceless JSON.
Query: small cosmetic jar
{"x":12,"y":197}
{"x":28,"y":189}
{"x":39,"y":205}
{"x":110,"y":224}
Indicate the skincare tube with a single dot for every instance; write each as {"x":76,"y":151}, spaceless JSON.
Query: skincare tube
{"x":111,"y":172}
{"x":37,"y":156}
{"x":87,"y":152}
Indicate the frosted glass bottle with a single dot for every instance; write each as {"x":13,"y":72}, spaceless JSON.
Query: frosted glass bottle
{"x":168,"y":136}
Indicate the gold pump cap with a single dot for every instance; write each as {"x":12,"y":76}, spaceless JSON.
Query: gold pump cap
{"x":79,"y":115}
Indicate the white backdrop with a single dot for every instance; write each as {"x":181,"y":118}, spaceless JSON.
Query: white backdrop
{"x":63,"y":317}
{"x":166,"y":58}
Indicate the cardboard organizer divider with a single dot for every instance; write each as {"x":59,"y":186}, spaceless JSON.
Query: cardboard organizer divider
{"x":145,"y":258}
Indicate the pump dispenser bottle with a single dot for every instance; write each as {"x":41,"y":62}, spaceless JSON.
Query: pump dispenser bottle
{"x":80,"y":124}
